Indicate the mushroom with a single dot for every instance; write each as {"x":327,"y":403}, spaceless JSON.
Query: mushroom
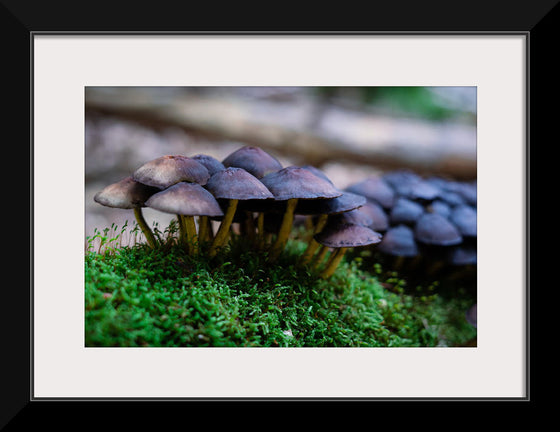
{"x":292,"y":184}
{"x":129,"y":194}
{"x":411,"y":185}
{"x":374,"y":188}
{"x":166,"y":171}
{"x":342,"y":236}
{"x":254,"y":160}
{"x":213,"y":165}
{"x":399,"y":242}
{"x":464,"y":218}
{"x":405,"y":211}
{"x":186,"y":200}
{"x":233,"y":184}
{"x":435,"y":232}
{"x":434,"y":229}
{"x":348,"y":201}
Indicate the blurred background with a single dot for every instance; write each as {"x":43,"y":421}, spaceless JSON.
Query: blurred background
{"x":348,"y":132}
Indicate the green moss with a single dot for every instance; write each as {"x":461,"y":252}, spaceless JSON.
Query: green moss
{"x":135,"y":296}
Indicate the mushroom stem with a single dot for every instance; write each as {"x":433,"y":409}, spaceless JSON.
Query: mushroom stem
{"x":333,"y":263}
{"x":203,"y":228}
{"x":223,"y":230}
{"x":260,"y":231}
{"x":320,"y":256}
{"x":313,"y":244}
{"x":144,"y":227}
{"x":285,"y":229}
{"x":250,"y":226}
{"x":192,"y":237}
{"x":182,"y":232}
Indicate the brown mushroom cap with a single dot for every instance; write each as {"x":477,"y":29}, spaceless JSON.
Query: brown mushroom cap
{"x":254,"y":160}
{"x":166,"y":171}
{"x":237,"y":183}
{"x":435,"y":229}
{"x":296,"y":182}
{"x":184,"y":198}
{"x":125,"y":194}
{"x":338,"y":235}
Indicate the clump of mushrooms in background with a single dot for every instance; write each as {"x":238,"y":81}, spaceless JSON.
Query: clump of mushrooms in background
{"x":400,"y":213}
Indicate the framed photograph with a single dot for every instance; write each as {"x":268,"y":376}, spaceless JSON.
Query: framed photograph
{"x":104,"y":103}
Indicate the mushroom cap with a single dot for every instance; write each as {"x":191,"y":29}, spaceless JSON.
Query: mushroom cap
{"x":296,"y":182}
{"x":376,"y":189}
{"x":168,"y":170}
{"x":405,"y":211}
{"x":462,"y":255}
{"x":380,"y":219}
{"x":125,"y":194}
{"x":464,"y":218}
{"x":184,"y":198}
{"x":237,"y":183}
{"x":439,"y":206}
{"x":338,"y":235}
{"x":317,"y":172}
{"x":254,"y":160}
{"x":212,"y":164}
{"x":399,"y":241}
{"x":354,"y":217}
{"x":411,"y":185}
{"x":434,"y":229}
{"x":345,"y":202}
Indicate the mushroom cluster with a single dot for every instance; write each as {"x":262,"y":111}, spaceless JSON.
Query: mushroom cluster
{"x":428,"y":220}
{"x":250,"y":191}
{"x":249,"y":188}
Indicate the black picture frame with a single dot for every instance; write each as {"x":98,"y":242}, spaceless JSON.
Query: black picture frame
{"x":20,"y":20}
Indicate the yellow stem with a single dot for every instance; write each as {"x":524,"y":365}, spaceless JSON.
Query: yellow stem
{"x":192,"y":237}
{"x":285,"y":229}
{"x":320,"y":256}
{"x":313,"y":244}
{"x":333,"y":263}
{"x":150,"y":238}
{"x":223,"y":230}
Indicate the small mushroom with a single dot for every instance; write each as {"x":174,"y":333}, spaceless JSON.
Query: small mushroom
{"x":186,"y":200}
{"x":347,"y":202}
{"x":213,"y":165}
{"x":405,"y":211}
{"x":129,"y":194}
{"x":464,"y":218}
{"x":399,"y":242}
{"x":292,"y":184}
{"x":436,"y":233}
{"x":233,"y":185}
{"x":166,"y":171}
{"x":342,"y":236}
{"x":254,"y":160}
{"x":434,"y":229}
{"x":374,"y":188}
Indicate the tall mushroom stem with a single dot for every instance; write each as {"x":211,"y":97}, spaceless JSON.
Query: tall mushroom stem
{"x":333,"y":263}
{"x":260,"y":231}
{"x":320,"y":256}
{"x":144,"y":227}
{"x":182,"y":232}
{"x":203,"y":229}
{"x":223,"y":230}
{"x":313,"y":244}
{"x":285,"y":229}
{"x":192,"y":237}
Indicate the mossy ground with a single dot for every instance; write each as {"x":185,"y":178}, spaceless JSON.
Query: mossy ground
{"x":136,"y":296}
